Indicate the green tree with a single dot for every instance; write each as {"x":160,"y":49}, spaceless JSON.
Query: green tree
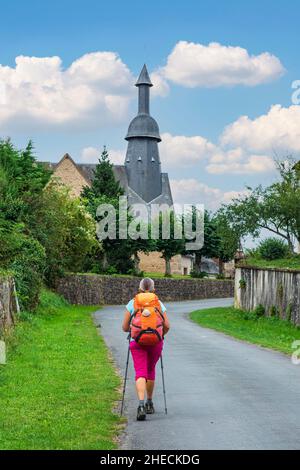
{"x":229,"y":240}
{"x":116,"y":254}
{"x":274,"y":208}
{"x":104,"y":182}
{"x":65,"y":229}
{"x":211,"y":240}
{"x":170,"y":246}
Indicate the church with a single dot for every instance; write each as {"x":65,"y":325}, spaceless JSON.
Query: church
{"x":141,"y":176}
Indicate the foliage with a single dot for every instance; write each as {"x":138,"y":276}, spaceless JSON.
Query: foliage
{"x":260,"y":311}
{"x":42,"y":229}
{"x":229,"y":238}
{"x":63,"y":226}
{"x":198,"y":274}
{"x":273,"y":248}
{"x":24,"y":257}
{"x":275,"y":208}
{"x":171,"y":245}
{"x":59,"y":387}
{"x":291,"y":262}
{"x":104,"y":182}
{"x":117,"y":254}
{"x":211,"y":242}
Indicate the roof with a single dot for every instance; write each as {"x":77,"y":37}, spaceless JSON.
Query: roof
{"x":144,"y":78}
{"x":143,"y":125}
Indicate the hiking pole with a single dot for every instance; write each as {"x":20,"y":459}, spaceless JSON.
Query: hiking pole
{"x":163,"y":383}
{"x":125,"y":379}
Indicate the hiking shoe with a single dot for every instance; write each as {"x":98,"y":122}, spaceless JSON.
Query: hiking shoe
{"x":141,"y":413}
{"x":149,"y":408}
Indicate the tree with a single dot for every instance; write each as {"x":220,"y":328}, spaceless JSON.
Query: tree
{"x":22,"y":182}
{"x":104,"y":182}
{"x":172,"y":245}
{"x":211,"y":241}
{"x":229,"y":240}
{"x":116,"y":253}
{"x":275,"y":208}
{"x":65,"y":229}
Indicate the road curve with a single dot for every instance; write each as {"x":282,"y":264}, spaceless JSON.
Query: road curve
{"x":222,"y":393}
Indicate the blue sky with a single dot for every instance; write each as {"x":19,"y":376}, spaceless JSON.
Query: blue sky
{"x":150,"y":32}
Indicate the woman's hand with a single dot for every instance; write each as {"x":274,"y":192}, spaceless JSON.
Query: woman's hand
{"x":126,"y":322}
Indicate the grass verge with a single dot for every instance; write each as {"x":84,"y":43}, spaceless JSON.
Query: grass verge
{"x":292,"y":263}
{"x":59,"y":386}
{"x":268,"y":332}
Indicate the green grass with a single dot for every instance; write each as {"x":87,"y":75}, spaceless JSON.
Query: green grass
{"x":59,"y":386}
{"x":161,"y":275}
{"x":284,"y":263}
{"x":268,"y":332}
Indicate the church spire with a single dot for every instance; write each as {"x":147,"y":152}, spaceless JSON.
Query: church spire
{"x":144,"y":78}
{"x":144,"y":83}
{"x":142,"y":161}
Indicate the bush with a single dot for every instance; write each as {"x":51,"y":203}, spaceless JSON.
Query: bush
{"x":198,"y":275}
{"x":273,"y":248}
{"x":28,"y":269}
{"x":220,"y":277}
{"x":260,"y":311}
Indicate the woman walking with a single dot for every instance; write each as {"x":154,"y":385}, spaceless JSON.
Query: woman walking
{"x":146,"y":320}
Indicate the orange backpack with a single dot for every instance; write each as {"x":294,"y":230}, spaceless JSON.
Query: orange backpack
{"x":146,"y":325}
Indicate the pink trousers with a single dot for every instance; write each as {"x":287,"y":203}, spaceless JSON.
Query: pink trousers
{"x":145,"y":359}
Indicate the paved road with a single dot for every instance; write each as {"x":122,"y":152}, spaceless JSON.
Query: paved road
{"x":222,"y":393}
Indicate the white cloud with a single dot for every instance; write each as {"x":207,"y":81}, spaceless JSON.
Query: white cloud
{"x":180,"y":150}
{"x":193,"y":65}
{"x":183,"y":151}
{"x":92,"y":154}
{"x":95,"y":90}
{"x":276,"y":131}
{"x":192,"y":191}
{"x":160,"y":85}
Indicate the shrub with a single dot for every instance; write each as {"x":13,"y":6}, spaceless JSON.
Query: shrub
{"x":249,"y":316}
{"x":273,"y":248}
{"x":243,"y":284}
{"x":273,"y":311}
{"x":199,"y":275}
{"x":220,"y":276}
{"x":260,"y":311}
{"x":28,"y":269}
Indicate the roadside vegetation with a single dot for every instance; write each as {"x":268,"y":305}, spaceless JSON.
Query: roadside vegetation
{"x":292,"y":262}
{"x":59,"y":386}
{"x":272,"y":253}
{"x":269,"y":332}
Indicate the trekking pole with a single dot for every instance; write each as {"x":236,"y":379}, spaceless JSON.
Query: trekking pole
{"x":163,"y":383}
{"x":125,"y":379}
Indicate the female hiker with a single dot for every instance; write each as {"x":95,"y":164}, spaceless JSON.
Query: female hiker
{"x":146,"y":320}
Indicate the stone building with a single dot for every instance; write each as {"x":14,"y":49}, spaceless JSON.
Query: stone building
{"x":140,"y":176}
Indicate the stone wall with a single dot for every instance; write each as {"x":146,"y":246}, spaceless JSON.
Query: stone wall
{"x":8,"y":302}
{"x":278,"y":290}
{"x":88,"y":289}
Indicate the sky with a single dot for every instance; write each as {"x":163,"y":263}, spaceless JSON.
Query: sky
{"x":222,"y":95}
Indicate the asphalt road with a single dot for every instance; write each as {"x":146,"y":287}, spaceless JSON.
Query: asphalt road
{"x":222,"y":393}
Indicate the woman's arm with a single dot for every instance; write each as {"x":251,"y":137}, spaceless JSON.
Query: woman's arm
{"x":126,"y":322}
{"x":166,"y":324}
